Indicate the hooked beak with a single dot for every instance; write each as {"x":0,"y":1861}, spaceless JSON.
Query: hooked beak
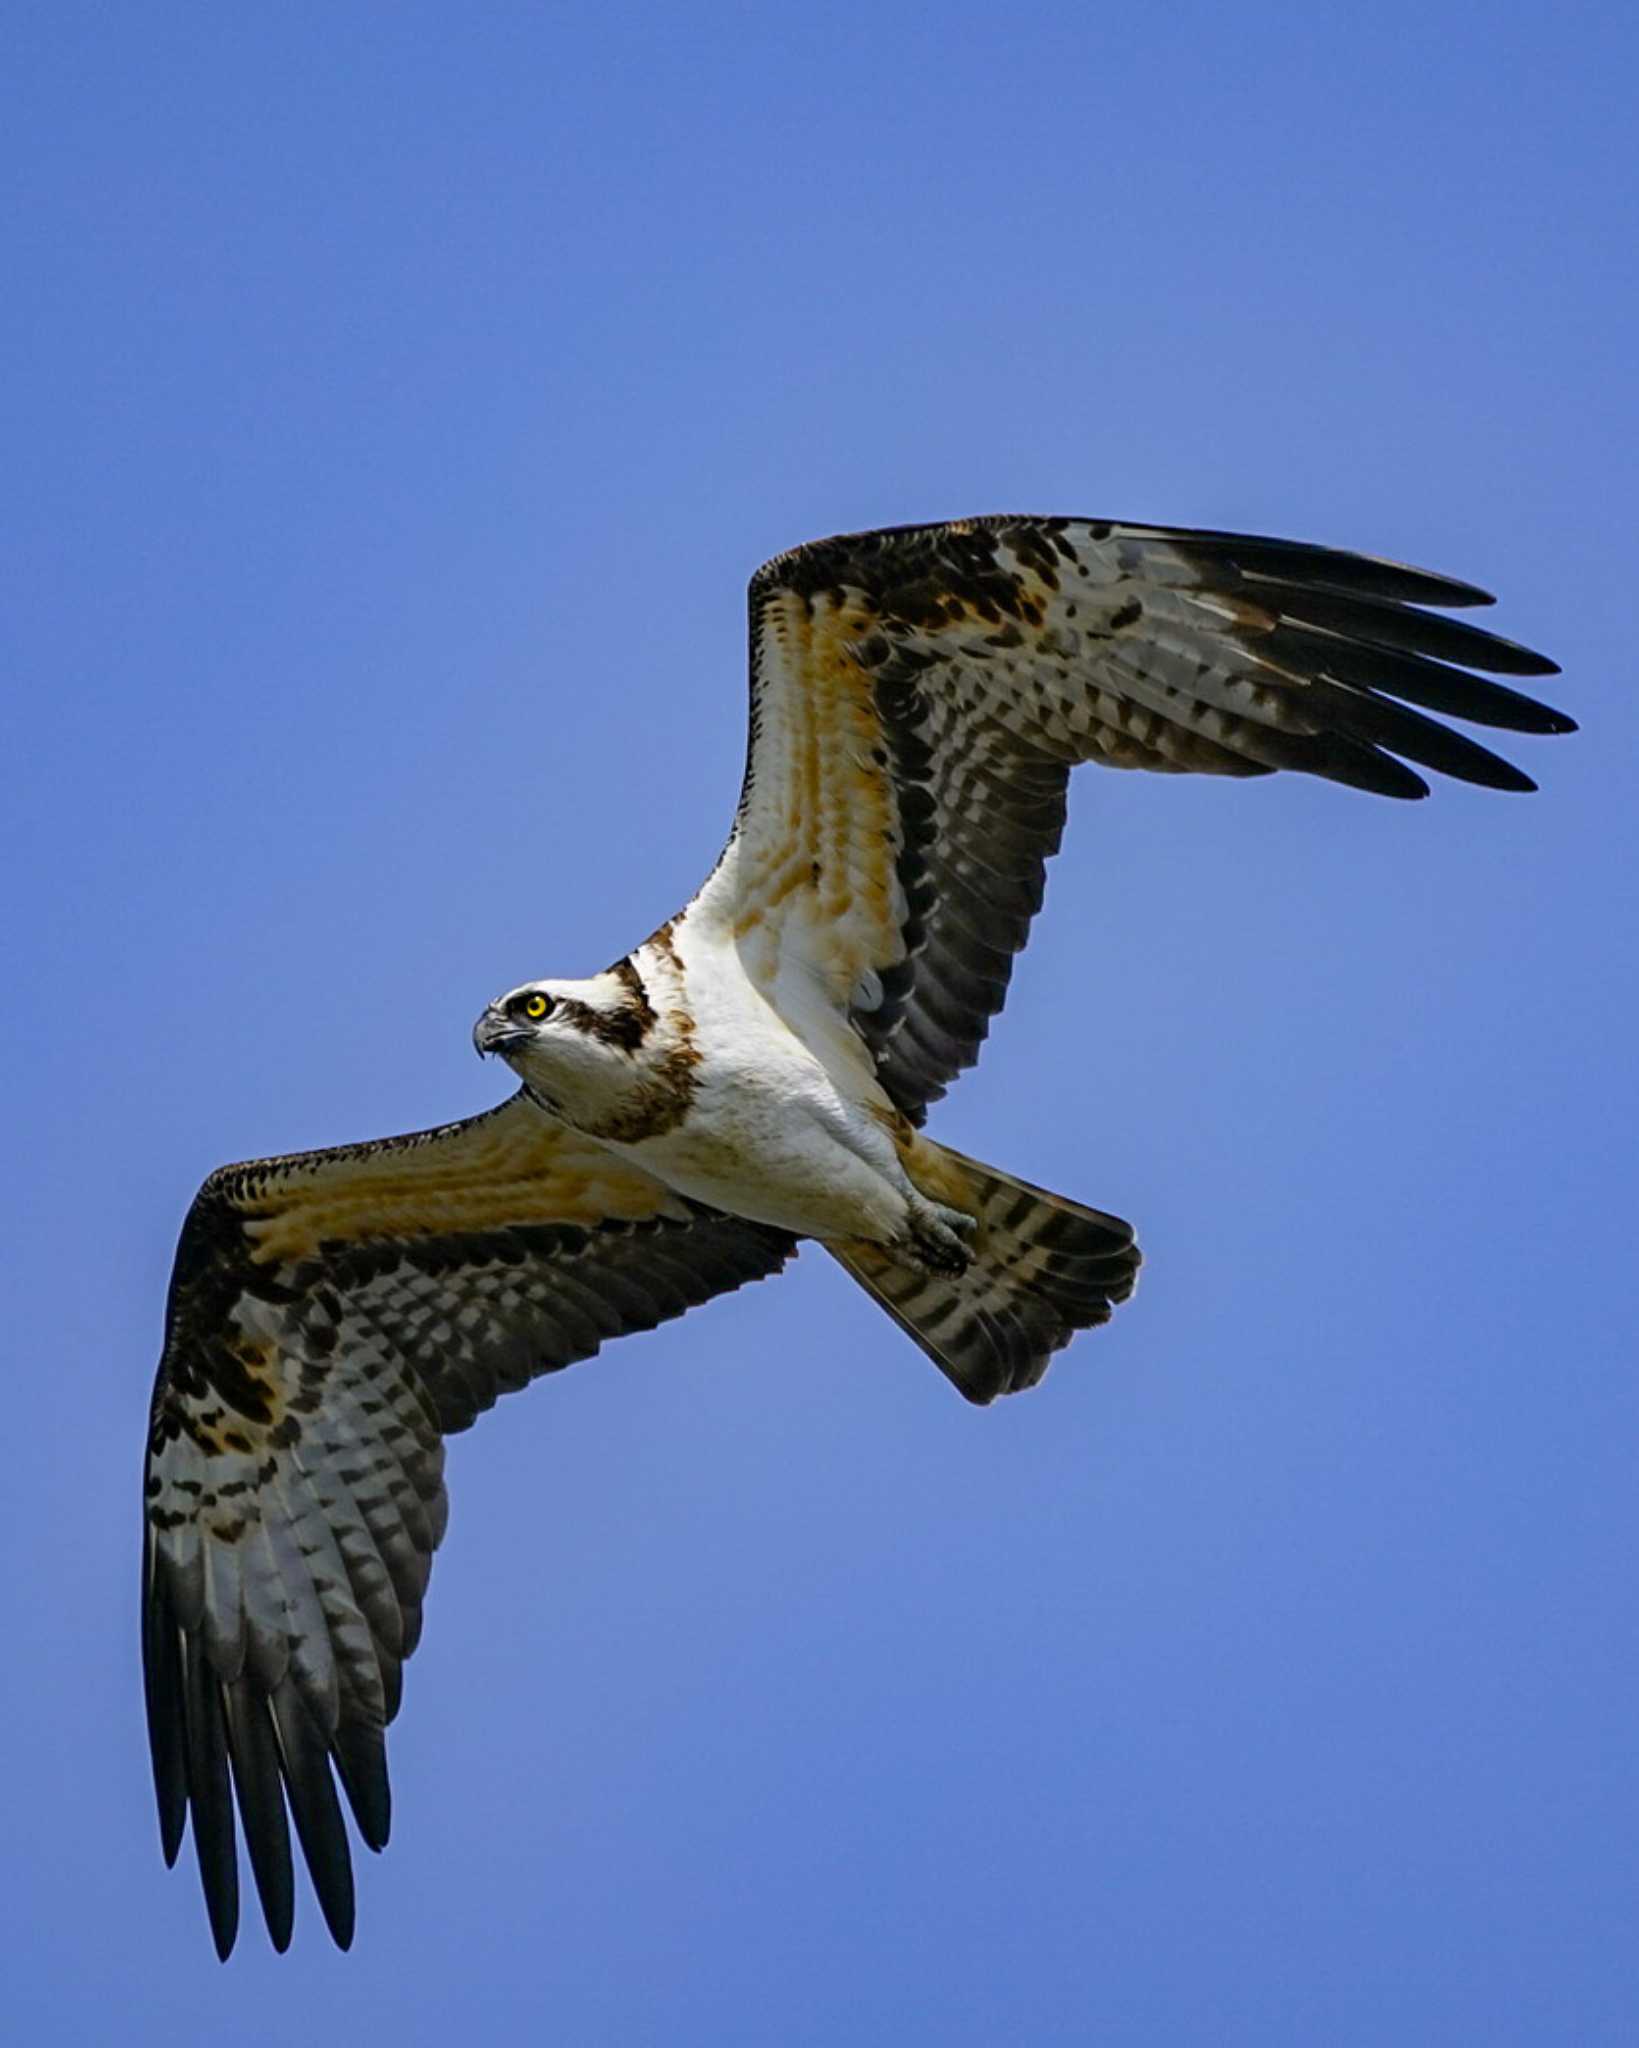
{"x":495,"y":1032}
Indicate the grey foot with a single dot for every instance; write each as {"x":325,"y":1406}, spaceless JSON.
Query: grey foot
{"x":940,"y":1238}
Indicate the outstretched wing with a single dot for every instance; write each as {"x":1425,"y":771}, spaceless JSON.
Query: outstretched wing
{"x":919,"y":696}
{"x":332,"y":1315}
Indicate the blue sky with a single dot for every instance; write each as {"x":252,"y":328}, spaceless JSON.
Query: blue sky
{"x":397,"y":400}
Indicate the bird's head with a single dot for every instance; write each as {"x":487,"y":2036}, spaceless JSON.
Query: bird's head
{"x":578,"y":1046}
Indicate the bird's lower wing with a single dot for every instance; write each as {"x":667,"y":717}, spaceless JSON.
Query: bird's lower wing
{"x":332,"y":1316}
{"x":919,"y":696}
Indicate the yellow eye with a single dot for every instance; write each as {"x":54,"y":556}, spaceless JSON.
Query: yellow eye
{"x":536,"y":1006}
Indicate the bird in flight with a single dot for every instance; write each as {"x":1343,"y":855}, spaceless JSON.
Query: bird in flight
{"x":755,"y":1073}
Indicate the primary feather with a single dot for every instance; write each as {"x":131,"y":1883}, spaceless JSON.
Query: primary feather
{"x":754,"y":1073}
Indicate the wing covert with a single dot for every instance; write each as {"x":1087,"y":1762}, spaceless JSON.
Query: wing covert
{"x":919,"y":696}
{"x":332,"y":1317}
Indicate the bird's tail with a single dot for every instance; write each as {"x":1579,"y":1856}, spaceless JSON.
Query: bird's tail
{"x":1041,"y":1268}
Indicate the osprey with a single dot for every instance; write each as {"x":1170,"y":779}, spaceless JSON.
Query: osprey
{"x":755,"y":1073}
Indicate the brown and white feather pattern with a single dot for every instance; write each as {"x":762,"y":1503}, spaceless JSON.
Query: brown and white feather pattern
{"x":919,"y":697}
{"x":332,"y":1317}
{"x":920,"y":694}
{"x":1042,"y":1269}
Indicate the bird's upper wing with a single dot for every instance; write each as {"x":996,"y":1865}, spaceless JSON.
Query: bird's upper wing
{"x":331,"y":1316}
{"x":919,"y":696}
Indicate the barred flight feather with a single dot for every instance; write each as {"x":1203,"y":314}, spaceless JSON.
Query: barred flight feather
{"x":295,"y":1475}
{"x":919,"y":697}
{"x":920,"y":694}
{"x":1042,"y":1268}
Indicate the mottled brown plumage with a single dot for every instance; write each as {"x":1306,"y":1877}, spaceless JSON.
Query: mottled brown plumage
{"x":332,"y":1317}
{"x":926,"y":690}
{"x":754,"y":1072}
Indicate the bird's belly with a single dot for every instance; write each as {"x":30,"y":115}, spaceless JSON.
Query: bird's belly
{"x":783,"y":1164}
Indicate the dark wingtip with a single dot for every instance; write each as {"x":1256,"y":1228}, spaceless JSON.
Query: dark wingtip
{"x":1454,"y":591}
{"x":279,"y":1913}
{"x":361,"y":1761}
{"x":304,"y":1759}
{"x":1527,"y":662}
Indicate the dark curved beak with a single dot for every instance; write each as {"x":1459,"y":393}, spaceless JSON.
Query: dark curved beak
{"x":495,"y":1031}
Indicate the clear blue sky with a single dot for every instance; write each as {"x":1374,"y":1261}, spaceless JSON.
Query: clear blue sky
{"x":397,"y":400}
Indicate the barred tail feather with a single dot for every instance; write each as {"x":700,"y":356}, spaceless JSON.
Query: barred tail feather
{"x":1042,"y":1268}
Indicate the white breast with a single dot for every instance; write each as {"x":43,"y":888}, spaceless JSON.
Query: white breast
{"x":772,"y":1132}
